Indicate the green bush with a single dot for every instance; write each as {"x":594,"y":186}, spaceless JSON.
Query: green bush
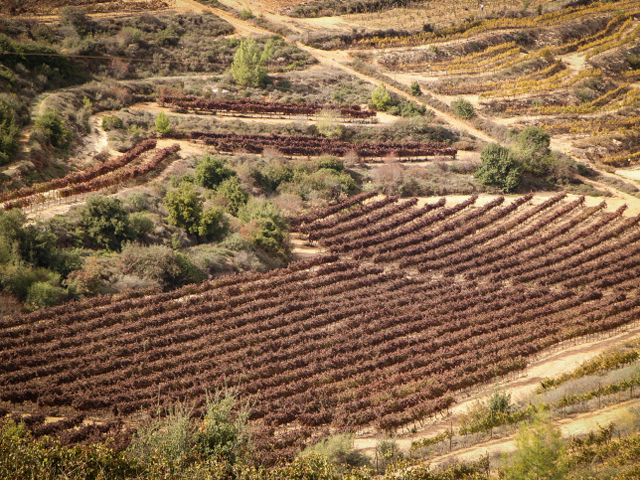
{"x":329,"y":124}
{"x":380,"y":99}
{"x":275,"y":173}
{"x":266,"y":227}
{"x":535,"y":140}
{"x":141,"y":224}
{"x":213,"y":223}
{"x":162,"y":124}
{"x":106,"y":223}
{"x":339,"y":450}
{"x":30,"y":244}
{"x":233,"y":194}
{"x":12,"y":117}
{"x":76,"y":19}
{"x":212,"y":171}
{"x":463,"y":109}
{"x":330,"y":162}
{"x":499,"y":167}
{"x":112,"y":122}
{"x":416,"y":91}
{"x":185,"y":207}
{"x":22,"y":456}
{"x":160,"y":264}
{"x":410,"y":109}
{"x":43,"y":294}
{"x":53,"y":128}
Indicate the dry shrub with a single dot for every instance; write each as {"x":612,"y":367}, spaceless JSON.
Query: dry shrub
{"x":351,"y":158}
{"x":290,"y":204}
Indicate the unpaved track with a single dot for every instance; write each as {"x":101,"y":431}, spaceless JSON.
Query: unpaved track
{"x":577,"y":425}
{"x":242,"y":27}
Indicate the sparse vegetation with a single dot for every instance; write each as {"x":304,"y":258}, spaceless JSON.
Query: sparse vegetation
{"x":287,"y":261}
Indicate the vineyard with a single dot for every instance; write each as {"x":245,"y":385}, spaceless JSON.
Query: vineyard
{"x":571,"y":72}
{"x":114,"y":172}
{"x":302,"y":145}
{"x":409,"y":304}
{"x":472,"y":27}
{"x":261,"y":107}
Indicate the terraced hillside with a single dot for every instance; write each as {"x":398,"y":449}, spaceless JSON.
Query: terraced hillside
{"x":409,"y":305}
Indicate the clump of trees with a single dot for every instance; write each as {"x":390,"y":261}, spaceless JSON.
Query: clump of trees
{"x":527,"y":159}
{"x":186,"y":210}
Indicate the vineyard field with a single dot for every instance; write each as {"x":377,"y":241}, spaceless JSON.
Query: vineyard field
{"x":261,"y":107}
{"x":303,"y":145}
{"x":407,"y":304}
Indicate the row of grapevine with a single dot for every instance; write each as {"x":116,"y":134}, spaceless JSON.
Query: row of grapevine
{"x":118,"y":177}
{"x":81,"y":177}
{"x":259,"y":106}
{"x":302,"y":145}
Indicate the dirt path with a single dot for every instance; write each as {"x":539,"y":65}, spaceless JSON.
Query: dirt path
{"x":242,"y":27}
{"x":337,"y":59}
{"x":577,"y":425}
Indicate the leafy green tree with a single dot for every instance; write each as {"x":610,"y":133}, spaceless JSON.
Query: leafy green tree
{"x":106,"y":223}
{"x":416,"y":91}
{"x":54,"y":129}
{"x":185,"y":207}
{"x":380,"y":98}
{"x":248,"y":67}
{"x":213,"y":223}
{"x":186,"y":210}
{"x":162,"y":124}
{"x":212,"y":171}
{"x":499,"y":167}
{"x":233,"y":194}
{"x":463,"y":109}
{"x":540,"y":454}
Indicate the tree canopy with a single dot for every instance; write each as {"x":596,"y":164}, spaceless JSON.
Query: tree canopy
{"x":499,"y":167}
{"x":248,"y":67}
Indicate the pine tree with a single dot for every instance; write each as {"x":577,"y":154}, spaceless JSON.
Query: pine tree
{"x":162,"y":124}
{"x":381,"y":98}
{"x":248,"y":67}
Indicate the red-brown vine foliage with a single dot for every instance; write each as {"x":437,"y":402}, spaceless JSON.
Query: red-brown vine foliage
{"x":259,"y":106}
{"x":98,"y":178}
{"x":456,"y":296}
{"x":303,"y":145}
